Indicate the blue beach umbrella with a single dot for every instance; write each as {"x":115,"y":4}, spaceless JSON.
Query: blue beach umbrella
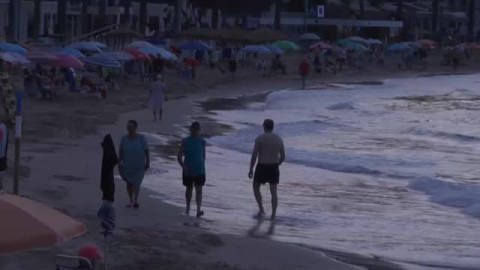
{"x":118,"y":56}
{"x":14,"y":58}
{"x":256,"y":49}
{"x":85,"y":46}
{"x":398,"y":47}
{"x":274,"y":49}
{"x":74,"y":52}
{"x":140,"y":44}
{"x":99,"y":44}
{"x":102,"y":61}
{"x":194,"y":45}
{"x":10,"y":47}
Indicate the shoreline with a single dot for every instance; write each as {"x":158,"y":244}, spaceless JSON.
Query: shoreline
{"x":73,"y":189}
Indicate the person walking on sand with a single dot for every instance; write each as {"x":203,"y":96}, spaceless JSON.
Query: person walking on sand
{"x":157,"y":97}
{"x":191,"y":157}
{"x":270,"y":153}
{"x":134,"y":160}
{"x":304,"y":71}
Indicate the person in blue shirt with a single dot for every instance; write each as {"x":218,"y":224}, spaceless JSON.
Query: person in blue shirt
{"x":191,"y":157}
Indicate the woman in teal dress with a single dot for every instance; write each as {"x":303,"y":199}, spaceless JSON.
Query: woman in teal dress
{"x":134,"y":160}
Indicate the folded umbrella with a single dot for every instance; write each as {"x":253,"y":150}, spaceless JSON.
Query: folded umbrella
{"x":194,"y":45}
{"x":10,"y":47}
{"x":27,"y":225}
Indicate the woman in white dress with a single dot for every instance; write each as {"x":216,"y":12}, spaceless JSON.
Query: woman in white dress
{"x":157,"y":97}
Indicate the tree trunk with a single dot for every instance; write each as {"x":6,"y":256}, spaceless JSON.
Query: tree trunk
{"x":143,"y":16}
{"x":177,"y":18}
{"x":435,"y":11}
{"x":102,"y":13}
{"x":85,"y":16}
{"x":62,"y":18}
{"x":471,"y":21}
{"x":36,"y":18}
{"x":362,"y":9}
{"x":278,"y":14}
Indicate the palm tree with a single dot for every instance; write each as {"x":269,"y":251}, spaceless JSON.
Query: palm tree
{"x":36,"y":18}
{"x":143,"y":15}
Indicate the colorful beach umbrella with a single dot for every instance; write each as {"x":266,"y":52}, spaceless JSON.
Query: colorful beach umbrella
{"x":274,"y":49}
{"x":67,"y":61}
{"x":398,"y":47}
{"x":74,"y":52}
{"x":256,"y":49}
{"x":373,"y":41}
{"x":102,"y":61}
{"x":194,"y":45}
{"x":140,"y":44}
{"x":10,"y":47}
{"x":118,"y":56}
{"x":426,"y":43}
{"x":351,"y":45}
{"x":287,"y":45}
{"x":310,"y":37}
{"x":99,"y":44}
{"x":321,"y":46}
{"x":42,"y":57}
{"x":27,"y":225}
{"x":14,"y":58}
{"x":138,"y":55}
{"x":360,"y":40}
{"x":85,"y":46}
{"x":155,"y":51}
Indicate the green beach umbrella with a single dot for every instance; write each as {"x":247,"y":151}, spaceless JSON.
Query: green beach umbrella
{"x":350,"y":45}
{"x":286,"y":45}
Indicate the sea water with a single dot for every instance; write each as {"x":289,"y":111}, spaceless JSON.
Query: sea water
{"x":390,"y":171}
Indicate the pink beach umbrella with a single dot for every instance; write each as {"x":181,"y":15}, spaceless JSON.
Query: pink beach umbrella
{"x":67,"y":61}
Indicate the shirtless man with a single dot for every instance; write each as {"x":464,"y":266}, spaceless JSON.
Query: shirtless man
{"x":270,"y":153}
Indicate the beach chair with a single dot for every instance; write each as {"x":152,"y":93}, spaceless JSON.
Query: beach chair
{"x":64,"y":262}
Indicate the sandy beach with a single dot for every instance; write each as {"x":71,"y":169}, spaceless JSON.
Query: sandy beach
{"x":61,"y":159}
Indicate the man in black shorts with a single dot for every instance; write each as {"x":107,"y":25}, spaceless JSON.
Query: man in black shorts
{"x":270,"y":153}
{"x":193,"y":148}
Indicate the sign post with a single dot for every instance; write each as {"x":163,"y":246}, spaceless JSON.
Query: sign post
{"x":18,"y":136}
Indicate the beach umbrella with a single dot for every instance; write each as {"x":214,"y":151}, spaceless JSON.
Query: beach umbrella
{"x":426,"y":43}
{"x":350,"y":45}
{"x":138,"y":55}
{"x":10,"y":47}
{"x":118,"y":56}
{"x":154,"y":50}
{"x":14,"y":58}
{"x":99,"y":44}
{"x":360,"y":40}
{"x":67,"y":61}
{"x":398,"y":47}
{"x":373,"y":41}
{"x":194,"y":45}
{"x":85,"y":46}
{"x":140,"y":44}
{"x":42,"y":57}
{"x":102,"y":61}
{"x":74,"y":52}
{"x":310,"y":37}
{"x":273,"y":49}
{"x":27,"y":225}
{"x":321,"y":46}
{"x":256,"y":49}
{"x":286,"y":45}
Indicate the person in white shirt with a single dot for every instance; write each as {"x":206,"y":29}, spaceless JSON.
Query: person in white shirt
{"x":269,"y":150}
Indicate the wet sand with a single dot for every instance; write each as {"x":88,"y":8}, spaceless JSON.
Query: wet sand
{"x":61,"y":157}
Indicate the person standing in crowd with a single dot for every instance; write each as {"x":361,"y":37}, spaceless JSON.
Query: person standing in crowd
{"x":134,"y":160}
{"x":191,"y":157}
{"x":304,"y":71}
{"x":109,"y":161}
{"x":157,"y":97}
{"x":232,"y":67}
{"x":269,"y":151}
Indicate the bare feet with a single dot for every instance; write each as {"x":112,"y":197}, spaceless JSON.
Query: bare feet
{"x":200,"y":214}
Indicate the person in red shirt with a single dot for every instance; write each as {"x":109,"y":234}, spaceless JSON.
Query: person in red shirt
{"x":304,"y":71}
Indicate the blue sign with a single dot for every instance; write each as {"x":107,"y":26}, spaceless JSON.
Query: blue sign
{"x":19,"y":97}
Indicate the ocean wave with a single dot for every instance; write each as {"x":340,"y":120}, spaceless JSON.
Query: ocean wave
{"x":342,"y":106}
{"x":443,"y":135}
{"x":461,"y":196}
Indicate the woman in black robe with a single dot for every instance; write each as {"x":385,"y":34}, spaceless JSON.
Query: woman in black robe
{"x":109,"y":161}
